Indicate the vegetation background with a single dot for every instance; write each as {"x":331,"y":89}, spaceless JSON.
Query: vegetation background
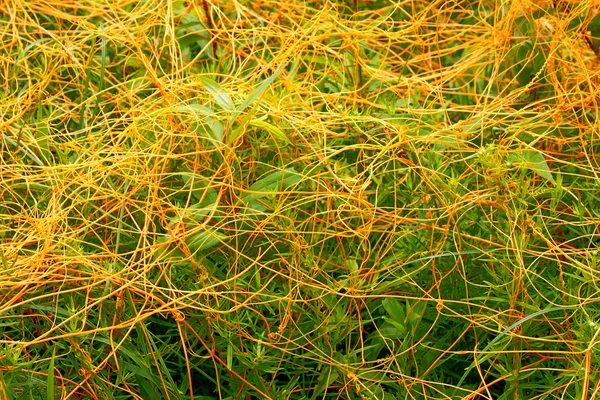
{"x":299,"y":199}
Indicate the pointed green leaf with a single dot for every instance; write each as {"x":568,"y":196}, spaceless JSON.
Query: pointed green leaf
{"x":221,"y":97}
{"x":392,"y":329}
{"x":395,"y":310}
{"x":235,"y":133}
{"x":209,"y":126}
{"x":275,"y":132}
{"x":198,"y":185}
{"x":533,"y":160}
{"x":352,"y":266}
{"x":326,"y":378}
{"x":272,"y":183}
{"x":205,"y":239}
{"x":42,"y":133}
{"x":416,"y":313}
{"x":50,"y":378}
{"x":258,"y":91}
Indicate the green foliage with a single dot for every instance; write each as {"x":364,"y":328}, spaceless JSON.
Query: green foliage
{"x":299,"y":200}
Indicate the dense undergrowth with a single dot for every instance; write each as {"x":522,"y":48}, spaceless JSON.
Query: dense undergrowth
{"x":299,"y":200}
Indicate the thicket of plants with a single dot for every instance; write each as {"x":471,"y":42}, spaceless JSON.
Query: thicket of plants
{"x":299,"y":199}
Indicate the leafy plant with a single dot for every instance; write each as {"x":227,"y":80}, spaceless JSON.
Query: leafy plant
{"x":299,"y":200}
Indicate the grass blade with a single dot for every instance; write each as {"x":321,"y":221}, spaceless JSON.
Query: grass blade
{"x":50,"y":378}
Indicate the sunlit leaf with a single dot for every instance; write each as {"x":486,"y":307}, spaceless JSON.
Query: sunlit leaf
{"x":272,"y":183}
{"x":534,"y":161}
{"x":275,"y":132}
{"x":221,"y":96}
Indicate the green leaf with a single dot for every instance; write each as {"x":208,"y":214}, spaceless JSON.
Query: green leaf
{"x":198,"y":185}
{"x":534,"y":161}
{"x":229,"y":354}
{"x":50,"y":378}
{"x":258,"y":91}
{"x":207,"y":127}
{"x":235,"y":133}
{"x":275,"y":132}
{"x":594,"y":29}
{"x":326,"y":378}
{"x":392,"y":329}
{"x":207,"y":197}
{"x":192,"y":24}
{"x":371,"y":380}
{"x":42,"y":133}
{"x":146,"y":389}
{"x":221,"y":97}
{"x":352,"y":266}
{"x":4,"y":260}
{"x":483,"y":353}
{"x":397,"y":314}
{"x":208,"y":203}
{"x":205,"y":239}
{"x":188,"y":40}
{"x":270,"y":184}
